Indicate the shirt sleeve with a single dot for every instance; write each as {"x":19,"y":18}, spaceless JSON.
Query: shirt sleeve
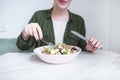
{"x":28,"y":45}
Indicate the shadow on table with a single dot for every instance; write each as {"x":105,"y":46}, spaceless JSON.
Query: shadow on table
{"x":36,"y":59}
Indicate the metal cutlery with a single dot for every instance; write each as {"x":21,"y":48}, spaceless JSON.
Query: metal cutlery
{"x":46,"y":42}
{"x":80,"y":35}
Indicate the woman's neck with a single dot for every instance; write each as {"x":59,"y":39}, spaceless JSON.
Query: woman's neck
{"x":60,"y":15}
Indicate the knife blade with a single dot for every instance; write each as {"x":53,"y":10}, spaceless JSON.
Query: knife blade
{"x":79,"y":35}
{"x":82,"y":37}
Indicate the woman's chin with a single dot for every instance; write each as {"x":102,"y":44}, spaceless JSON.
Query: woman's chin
{"x":63,"y":7}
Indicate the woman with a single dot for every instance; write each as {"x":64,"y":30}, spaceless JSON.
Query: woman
{"x":55,"y":25}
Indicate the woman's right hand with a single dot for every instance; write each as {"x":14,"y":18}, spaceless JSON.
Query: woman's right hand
{"x":32,"y":29}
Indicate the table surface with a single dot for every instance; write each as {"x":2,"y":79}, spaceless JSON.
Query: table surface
{"x":100,"y":65}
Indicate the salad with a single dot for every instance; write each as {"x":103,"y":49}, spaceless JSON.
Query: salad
{"x":59,"y":49}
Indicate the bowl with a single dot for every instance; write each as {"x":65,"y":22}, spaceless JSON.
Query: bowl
{"x":56,"y":59}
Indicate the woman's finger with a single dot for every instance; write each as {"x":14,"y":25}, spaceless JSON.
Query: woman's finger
{"x":38,"y":28}
{"x":35,"y":33}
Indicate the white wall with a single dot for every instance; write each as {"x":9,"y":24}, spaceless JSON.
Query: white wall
{"x":101,"y":18}
{"x":115,"y":26}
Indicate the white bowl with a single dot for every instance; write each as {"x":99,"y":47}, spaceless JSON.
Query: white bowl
{"x":56,"y":59}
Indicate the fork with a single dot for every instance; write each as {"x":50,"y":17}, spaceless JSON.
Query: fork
{"x":46,"y":42}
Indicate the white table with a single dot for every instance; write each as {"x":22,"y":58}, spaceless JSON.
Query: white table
{"x":100,"y":65}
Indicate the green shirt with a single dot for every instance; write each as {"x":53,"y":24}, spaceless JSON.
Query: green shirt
{"x":43,"y":18}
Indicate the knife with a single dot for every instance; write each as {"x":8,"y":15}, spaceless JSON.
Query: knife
{"x":79,"y":35}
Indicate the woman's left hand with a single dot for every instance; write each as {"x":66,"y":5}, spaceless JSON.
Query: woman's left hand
{"x":93,"y":44}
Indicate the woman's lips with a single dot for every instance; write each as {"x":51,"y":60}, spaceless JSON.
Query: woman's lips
{"x":63,"y":2}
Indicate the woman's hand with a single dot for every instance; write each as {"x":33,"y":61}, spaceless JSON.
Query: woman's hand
{"x":32,"y":29}
{"x":93,"y":44}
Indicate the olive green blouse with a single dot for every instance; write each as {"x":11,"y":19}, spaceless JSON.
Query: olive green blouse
{"x":43,"y":18}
